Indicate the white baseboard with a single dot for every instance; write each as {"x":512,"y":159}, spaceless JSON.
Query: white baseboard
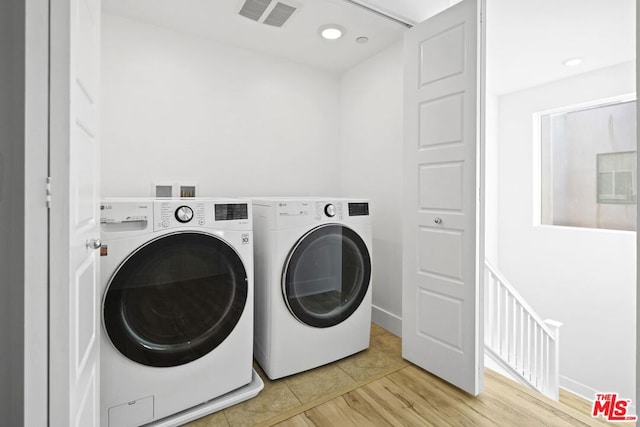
{"x":579,"y":389}
{"x":386,"y":320}
{"x":588,"y":393}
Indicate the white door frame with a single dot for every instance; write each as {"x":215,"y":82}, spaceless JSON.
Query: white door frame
{"x":637,"y":396}
{"x":36,"y":283}
{"x":24,"y":248}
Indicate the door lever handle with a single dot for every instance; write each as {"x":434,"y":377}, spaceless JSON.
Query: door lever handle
{"x":94,"y":243}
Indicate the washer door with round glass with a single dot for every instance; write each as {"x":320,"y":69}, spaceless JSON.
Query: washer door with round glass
{"x":326,"y":276}
{"x":175,"y":299}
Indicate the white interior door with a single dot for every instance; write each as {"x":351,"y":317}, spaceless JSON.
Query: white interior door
{"x":74,"y":146}
{"x":443,"y":240}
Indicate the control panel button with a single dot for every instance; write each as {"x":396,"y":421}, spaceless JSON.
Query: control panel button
{"x":165,"y":224}
{"x":330,"y":210}
{"x":184,"y":214}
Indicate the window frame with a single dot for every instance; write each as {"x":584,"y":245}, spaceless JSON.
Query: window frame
{"x":537,"y":157}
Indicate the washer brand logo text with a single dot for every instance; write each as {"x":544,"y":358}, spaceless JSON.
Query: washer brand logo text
{"x":611,"y":408}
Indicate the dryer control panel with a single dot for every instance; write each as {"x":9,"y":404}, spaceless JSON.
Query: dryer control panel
{"x":291,"y":208}
{"x":329,"y":210}
{"x":290,"y":212}
{"x":321,"y":210}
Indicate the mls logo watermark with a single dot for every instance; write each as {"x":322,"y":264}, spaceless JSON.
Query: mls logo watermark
{"x":613,"y":409}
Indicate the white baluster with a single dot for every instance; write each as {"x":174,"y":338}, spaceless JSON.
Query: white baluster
{"x":521,"y":332}
{"x":513,"y":329}
{"x":505,"y":307}
{"x":534,"y":351}
{"x":526,"y":344}
{"x":529,"y":347}
{"x":505,"y":336}
{"x":487,"y":309}
{"x":554,"y":358}
{"x":498,"y":323}
{"x":498,"y":311}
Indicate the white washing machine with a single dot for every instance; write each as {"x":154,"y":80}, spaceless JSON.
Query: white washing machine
{"x":312,"y":282}
{"x":177,"y":310}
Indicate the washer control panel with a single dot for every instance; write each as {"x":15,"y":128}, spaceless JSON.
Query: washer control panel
{"x":114,"y":212}
{"x":172,"y":213}
{"x":184,"y":214}
{"x":176,"y":213}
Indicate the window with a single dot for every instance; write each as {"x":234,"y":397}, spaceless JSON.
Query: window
{"x":588,"y":166}
{"x":616,"y":173}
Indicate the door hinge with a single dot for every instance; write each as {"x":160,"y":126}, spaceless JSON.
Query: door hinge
{"x":48,"y":192}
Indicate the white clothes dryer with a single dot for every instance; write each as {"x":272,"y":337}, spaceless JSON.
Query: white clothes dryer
{"x":313,"y":282}
{"x":177,"y":307}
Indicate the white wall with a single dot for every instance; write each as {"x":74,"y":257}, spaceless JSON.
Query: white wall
{"x":584,"y":278}
{"x":179,"y":108}
{"x":491,"y":218}
{"x":371,"y":166}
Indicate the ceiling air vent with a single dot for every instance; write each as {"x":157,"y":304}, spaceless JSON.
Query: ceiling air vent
{"x":253,"y":9}
{"x":276,"y":15}
{"x":279,"y":15}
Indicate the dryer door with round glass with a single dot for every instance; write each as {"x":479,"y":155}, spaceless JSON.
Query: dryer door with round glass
{"x":326,"y":275}
{"x":175,"y":299}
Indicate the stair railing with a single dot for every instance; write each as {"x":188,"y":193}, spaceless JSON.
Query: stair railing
{"x":518,"y":339}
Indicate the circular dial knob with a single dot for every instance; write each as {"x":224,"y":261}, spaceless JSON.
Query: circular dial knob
{"x":330,"y":210}
{"x":184,"y":214}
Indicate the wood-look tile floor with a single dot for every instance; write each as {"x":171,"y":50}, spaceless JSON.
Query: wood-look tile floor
{"x":378,"y":388}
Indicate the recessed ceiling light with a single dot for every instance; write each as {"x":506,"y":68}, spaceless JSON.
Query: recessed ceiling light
{"x":362,"y":39}
{"x":572,"y":62}
{"x":331,"y":32}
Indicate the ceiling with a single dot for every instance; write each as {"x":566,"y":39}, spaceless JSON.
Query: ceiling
{"x":297,"y":40}
{"x":412,"y":11}
{"x":527,"y":40}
